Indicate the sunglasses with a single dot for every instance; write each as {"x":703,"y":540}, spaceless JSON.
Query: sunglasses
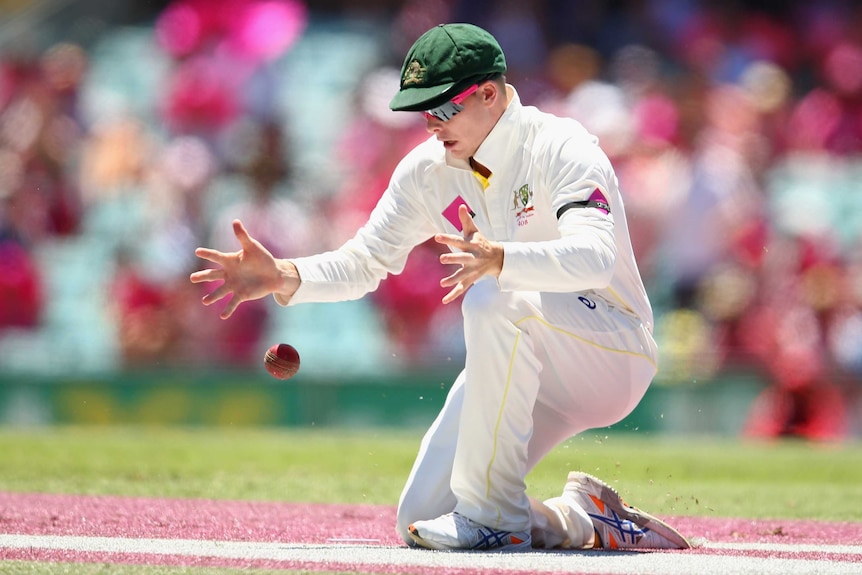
{"x":451,"y":108}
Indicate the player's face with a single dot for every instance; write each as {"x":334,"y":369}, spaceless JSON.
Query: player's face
{"x":463,"y":124}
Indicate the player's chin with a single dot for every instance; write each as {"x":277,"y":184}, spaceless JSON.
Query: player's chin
{"x":456,"y":150}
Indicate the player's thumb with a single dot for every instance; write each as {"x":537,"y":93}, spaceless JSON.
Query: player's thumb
{"x":468,"y":226}
{"x":241,"y":234}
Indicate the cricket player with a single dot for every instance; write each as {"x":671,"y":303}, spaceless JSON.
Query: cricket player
{"x":557,"y":323}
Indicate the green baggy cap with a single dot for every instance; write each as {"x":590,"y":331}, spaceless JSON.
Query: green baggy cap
{"x":445,"y":61}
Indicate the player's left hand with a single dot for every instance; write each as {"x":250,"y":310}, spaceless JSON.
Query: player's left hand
{"x":478,"y":256}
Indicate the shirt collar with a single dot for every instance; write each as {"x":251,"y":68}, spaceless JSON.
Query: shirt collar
{"x":495,"y":146}
{"x":493,"y":149}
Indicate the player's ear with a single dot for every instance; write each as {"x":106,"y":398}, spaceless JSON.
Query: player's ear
{"x":489,"y":92}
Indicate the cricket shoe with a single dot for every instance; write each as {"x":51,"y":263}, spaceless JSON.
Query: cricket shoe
{"x":617,"y":525}
{"x":453,"y":531}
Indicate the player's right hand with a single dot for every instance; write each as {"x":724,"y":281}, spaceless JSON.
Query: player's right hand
{"x":476,"y":256}
{"x":248,"y":274}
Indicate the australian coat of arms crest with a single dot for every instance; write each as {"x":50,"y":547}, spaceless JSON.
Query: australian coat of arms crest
{"x":523,"y":204}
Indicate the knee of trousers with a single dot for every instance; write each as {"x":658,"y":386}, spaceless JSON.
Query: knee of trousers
{"x":402,"y":522}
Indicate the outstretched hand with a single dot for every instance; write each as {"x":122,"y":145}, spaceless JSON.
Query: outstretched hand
{"x":477,"y":257}
{"x":248,"y":274}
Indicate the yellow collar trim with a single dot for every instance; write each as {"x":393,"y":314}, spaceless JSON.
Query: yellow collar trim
{"x":482,"y":173}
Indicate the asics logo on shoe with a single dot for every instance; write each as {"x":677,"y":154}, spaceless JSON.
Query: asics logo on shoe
{"x":490,"y":539}
{"x":628,"y":531}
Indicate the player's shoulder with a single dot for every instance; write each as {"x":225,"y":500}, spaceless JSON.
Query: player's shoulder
{"x":427,"y":154}
{"x":553,"y":127}
{"x":561,"y":143}
{"x":420,"y":162}
{"x":547,"y":133}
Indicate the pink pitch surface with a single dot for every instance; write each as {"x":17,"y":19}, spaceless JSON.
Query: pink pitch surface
{"x":57,"y":517}
{"x":205,"y":519}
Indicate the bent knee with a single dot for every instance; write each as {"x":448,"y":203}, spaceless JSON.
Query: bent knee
{"x":485,"y":298}
{"x":403,"y":533}
{"x":402,"y":522}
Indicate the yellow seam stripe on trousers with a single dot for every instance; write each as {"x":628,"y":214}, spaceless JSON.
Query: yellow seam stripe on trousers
{"x":509,"y":382}
{"x":499,"y":419}
{"x":620,"y":300}
{"x":585,"y":340}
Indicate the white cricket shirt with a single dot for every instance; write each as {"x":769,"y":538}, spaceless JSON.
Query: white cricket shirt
{"x":539,"y":164}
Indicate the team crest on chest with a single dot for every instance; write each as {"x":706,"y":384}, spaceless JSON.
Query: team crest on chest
{"x":523,"y":204}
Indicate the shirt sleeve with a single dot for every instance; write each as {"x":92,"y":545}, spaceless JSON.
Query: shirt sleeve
{"x":396,"y":225}
{"x":583,"y":192}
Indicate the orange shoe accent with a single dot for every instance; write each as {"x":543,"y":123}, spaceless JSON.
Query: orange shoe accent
{"x":612,"y":542}
{"x":516,"y":540}
{"x":599,"y":503}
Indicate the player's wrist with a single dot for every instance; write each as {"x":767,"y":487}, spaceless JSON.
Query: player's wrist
{"x":288,"y":281}
{"x":499,"y":258}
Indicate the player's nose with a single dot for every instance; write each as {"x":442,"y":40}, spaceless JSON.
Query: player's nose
{"x":432,"y":124}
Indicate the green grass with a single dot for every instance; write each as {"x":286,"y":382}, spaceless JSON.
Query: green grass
{"x":668,"y":476}
{"x":308,"y":465}
{"x":676,"y":476}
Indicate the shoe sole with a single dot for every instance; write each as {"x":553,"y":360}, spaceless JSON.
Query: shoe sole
{"x":414,"y":534}
{"x":612,"y":499}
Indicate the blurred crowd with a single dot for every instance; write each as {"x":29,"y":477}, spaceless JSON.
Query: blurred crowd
{"x":735,"y":128}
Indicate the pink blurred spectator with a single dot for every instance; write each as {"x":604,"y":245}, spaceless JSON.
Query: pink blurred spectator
{"x":802,"y":398}
{"x":723,"y":39}
{"x":39,"y":137}
{"x":655,"y":175}
{"x":146,"y":330}
{"x":256,"y":30}
{"x":217,"y":48}
{"x":203,"y":95}
{"x":787,"y":335}
{"x":21,"y":289}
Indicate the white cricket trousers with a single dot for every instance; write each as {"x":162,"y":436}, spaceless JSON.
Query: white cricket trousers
{"x":540,"y":368}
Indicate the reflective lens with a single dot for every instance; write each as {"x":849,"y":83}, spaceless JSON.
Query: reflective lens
{"x":451,"y":108}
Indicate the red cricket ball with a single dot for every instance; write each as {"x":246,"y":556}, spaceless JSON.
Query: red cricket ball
{"x":282,"y":361}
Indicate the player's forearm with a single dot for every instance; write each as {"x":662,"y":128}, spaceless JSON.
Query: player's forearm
{"x":573,"y":263}
{"x":338,"y":275}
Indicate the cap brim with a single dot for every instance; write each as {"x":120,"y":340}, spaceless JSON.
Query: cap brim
{"x":419,"y":99}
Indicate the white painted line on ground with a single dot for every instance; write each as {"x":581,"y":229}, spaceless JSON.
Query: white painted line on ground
{"x":351,"y":540}
{"x":610,"y":563}
{"x":788,"y":548}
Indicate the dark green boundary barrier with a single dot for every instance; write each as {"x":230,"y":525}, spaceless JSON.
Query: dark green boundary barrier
{"x":254,"y":399}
